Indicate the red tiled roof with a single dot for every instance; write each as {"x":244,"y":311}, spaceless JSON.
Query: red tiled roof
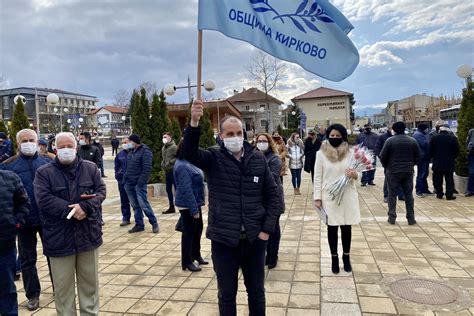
{"x":321,"y":93}
{"x":252,"y":94}
{"x":110,"y":108}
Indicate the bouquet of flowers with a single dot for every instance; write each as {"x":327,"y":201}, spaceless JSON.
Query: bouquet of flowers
{"x":361,"y":160}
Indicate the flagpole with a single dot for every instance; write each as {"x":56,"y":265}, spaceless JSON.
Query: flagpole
{"x":199,"y":66}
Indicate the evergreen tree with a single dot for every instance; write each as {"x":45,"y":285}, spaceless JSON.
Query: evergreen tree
{"x":207,"y":133}
{"x":3,"y":127}
{"x":293,"y":120}
{"x":133,"y":109}
{"x":19,"y":122}
{"x":141,"y":123}
{"x":175,"y":130}
{"x":159,"y":124}
{"x":465,"y":123}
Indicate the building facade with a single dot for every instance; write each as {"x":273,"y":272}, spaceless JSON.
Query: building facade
{"x":51,"y":118}
{"x":324,"y":106}
{"x":217,"y":110}
{"x":418,"y":108}
{"x":108,"y":120}
{"x":260,"y":113}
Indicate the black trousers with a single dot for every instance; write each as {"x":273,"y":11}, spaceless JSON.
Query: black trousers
{"x":274,"y":244}
{"x":438,"y":183}
{"x":227,"y":261}
{"x":191,"y":237}
{"x":27,"y":241}
{"x":346,"y":237}
{"x":114,"y":150}
{"x":405,"y":181}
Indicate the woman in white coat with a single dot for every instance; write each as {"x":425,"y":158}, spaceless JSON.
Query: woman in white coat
{"x":295,"y":154}
{"x":331,"y":164}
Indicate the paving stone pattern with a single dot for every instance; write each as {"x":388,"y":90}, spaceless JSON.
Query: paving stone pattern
{"x":141,"y":273}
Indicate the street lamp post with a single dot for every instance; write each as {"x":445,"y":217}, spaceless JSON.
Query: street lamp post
{"x":61,"y":110}
{"x":465,"y":71}
{"x":170,"y":88}
{"x":124,"y":118}
{"x":51,"y":99}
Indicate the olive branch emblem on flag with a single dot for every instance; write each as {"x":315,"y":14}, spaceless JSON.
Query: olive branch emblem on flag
{"x":307,"y":13}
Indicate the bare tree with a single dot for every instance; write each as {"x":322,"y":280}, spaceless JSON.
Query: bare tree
{"x":150,"y":88}
{"x":267,"y":72}
{"x":122,"y":98}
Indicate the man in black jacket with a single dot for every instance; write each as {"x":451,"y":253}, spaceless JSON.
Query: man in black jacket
{"x":369,"y":140}
{"x":399,"y":156}
{"x":87,"y":151}
{"x":69,"y":193}
{"x":311,"y":146}
{"x":99,"y":146}
{"x":243,"y":208}
{"x":443,"y":149}
{"x":378,"y":149}
{"x":14,"y":208}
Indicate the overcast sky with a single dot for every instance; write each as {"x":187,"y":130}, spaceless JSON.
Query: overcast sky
{"x":97,"y":47}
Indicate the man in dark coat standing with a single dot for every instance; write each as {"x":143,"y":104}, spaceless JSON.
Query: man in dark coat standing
{"x":97,"y":144}
{"x":399,"y":156}
{"x":243,"y":208}
{"x":69,"y":193}
{"x":88,"y":152}
{"x":311,"y":147}
{"x":423,"y":167}
{"x":14,"y":208}
{"x":115,"y":145}
{"x":443,"y":149}
{"x":369,"y":140}
{"x":120,"y":165}
{"x":25,"y":164}
{"x":139,"y":164}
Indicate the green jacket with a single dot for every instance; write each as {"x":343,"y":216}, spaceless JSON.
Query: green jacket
{"x":168,"y":152}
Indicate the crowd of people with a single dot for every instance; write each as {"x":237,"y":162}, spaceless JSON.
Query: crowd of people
{"x":54,"y":189}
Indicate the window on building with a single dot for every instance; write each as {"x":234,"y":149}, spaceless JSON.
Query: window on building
{"x":247,"y":108}
{"x":263,"y":123}
{"x":262,"y":106}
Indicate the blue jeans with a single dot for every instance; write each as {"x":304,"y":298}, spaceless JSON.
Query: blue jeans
{"x":8,"y":296}
{"x":169,"y":187}
{"x":423,"y":170}
{"x":296,"y":177}
{"x":227,"y":261}
{"x":470,"y":184}
{"x":124,"y":203}
{"x":137,"y":194}
{"x":369,"y":176}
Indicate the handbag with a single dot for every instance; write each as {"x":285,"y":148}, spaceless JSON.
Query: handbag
{"x":179,"y":224}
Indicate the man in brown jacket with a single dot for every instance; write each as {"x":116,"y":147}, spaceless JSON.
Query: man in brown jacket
{"x":168,"y":152}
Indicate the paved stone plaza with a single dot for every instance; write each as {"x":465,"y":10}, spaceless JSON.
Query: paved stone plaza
{"x":141,"y":273}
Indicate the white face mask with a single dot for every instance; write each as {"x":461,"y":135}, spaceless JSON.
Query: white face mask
{"x":234,"y":144}
{"x":125,"y":146}
{"x":165,"y":140}
{"x":262,"y":146}
{"x":66,"y":155}
{"x":28,"y":149}
{"x":82,"y":142}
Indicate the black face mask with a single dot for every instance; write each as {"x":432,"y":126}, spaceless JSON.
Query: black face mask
{"x":335,"y":142}
{"x":368,"y":130}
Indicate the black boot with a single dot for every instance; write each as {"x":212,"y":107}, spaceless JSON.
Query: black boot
{"x":347,"y":262}
{"x":170,"y":210}
{"x":335,"y":264}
